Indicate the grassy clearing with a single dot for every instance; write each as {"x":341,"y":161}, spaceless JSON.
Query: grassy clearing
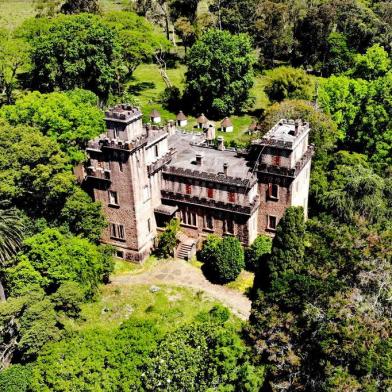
{"x":243,"y":283}
{"x":170,"y":307}
{"x":148,"y":85}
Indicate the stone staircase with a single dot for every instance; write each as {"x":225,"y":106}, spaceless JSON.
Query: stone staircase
{"x":186,"y":248}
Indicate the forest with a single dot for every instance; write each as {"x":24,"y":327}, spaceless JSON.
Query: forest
{"x":320,"y":291}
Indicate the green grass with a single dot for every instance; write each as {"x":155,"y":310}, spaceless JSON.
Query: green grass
{"x":170,"y":307}
{"x":122,"y":267}
{"x":243,"y":283}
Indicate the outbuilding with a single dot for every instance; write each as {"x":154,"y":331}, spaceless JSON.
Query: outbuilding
{"x":201,"y":120}
{"x":155,"y":117}
{"x":227,"y":125}
{"x":182,"y":120}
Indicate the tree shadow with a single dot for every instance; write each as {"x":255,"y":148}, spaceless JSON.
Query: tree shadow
{"x":137,"y":88}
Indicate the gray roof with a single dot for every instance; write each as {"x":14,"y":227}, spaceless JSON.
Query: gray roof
{"x":212,"y":159}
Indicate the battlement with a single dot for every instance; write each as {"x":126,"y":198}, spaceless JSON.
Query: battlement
{"x":123,"y":113}
{"x":284,"y":134}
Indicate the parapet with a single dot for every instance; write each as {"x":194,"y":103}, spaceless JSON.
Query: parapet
{"x":123,"y":113}
{"x":284,"y":134}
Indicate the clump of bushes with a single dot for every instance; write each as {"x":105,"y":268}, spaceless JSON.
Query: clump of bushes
{"x":223,"y":258}
{"x":261,"y":246}
{"x":168,"y":239}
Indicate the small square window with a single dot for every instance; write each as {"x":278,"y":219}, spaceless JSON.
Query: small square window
{"x":272,"y":222}
{"x":231,"y":197}
{"x":208,"y":222}
{"x":117,"y":231}
{"x":276,"y":160}
{"x":229,"y":226}
{"x":156,"y":151}
{"x":113,"y":199}
{"x":149,"y":225}
{"x":188,"y":189}
{"x":210,"y":193}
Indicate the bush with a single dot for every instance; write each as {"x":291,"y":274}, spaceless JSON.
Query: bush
{"x":223,"y":258}
{"x":260,"y":246}
{"x":288,"y":83}
{"x":168,"y":239}
{"x":171,"y":99}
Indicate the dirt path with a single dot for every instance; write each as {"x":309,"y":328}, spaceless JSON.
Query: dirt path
{"x":181,"y":273}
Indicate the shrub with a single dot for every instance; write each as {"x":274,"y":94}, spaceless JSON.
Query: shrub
{"x":260,"y":246}
{"x":167,"y":240}
{"x":288,"y":83}
{"x":223,"y":258}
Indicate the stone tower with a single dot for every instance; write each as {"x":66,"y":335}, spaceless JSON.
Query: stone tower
{"x":119,"y":178}
{"x":282,"y":160}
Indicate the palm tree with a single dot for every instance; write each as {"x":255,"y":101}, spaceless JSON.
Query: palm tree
{"x":11,"y":234}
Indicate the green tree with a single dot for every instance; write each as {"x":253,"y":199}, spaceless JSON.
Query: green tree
{"x":59,"y":258}
{"x":97,"y":359}
{"x":198,"y":357}
{"x":168,"y":239}
{"x":260,"y":247}
{"x":83,"y":216}
{"x":68,"y":299}
{"x":224,"y":260}
{"x":288,"y":83}
{"x":33,"y":171}
{"x":14,"y":60}
{"x":11,"y":234}
{"x":72,"y":118}
{"x":373,"y":64}
{"x":219,"y":90}
{"x":339,"y":57}
{"x":16,"y":378}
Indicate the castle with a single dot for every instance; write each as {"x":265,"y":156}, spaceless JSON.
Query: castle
{"x":146,"y":175}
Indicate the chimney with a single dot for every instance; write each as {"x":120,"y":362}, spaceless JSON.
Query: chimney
{"x":199,"y":159}
{"x":221,"y":143}
{"x":297,"y":127}
{"x":225,"y":167}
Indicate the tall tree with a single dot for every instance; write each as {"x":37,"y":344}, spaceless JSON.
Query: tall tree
{"x":222,"y":90}
{"x":11,"y":234}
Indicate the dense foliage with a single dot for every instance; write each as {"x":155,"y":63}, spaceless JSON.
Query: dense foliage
{"x":222,"y":90}
{"x":223,"y":258}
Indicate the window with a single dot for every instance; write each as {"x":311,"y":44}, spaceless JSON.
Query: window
{"x":229,"y":226}
{"x":113,"y":199}
{"x":208,"y":222}
{"x":231,"y":197}
{"x":146,"y":193}
{"x":276,"y":160}
{"x":149,"y":225}
{"x":210,"y":193}
{"x":188,"y":218}
{"x":274,"y":191}
{"x":120,"y":254}
{"x":188,"y":189}
{"x":117,"y":231}
{"x":272,"y":222}
{"x":120,"y":165}
{"x":156,"y":151}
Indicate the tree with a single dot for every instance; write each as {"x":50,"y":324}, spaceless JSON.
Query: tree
{"x":186,"y":32}
{"x":288,"y":83}
{"x":11,"y":234}
{"x":373,"y":64}
{"x":16,"y":378}
{"x":224,"y":259}
{"x":71,"y":118}
{"x":79,"y":6}
{"x":260,"y":247}
{"x":199,"y":357}
{"x":168,"y":239}
{"x":33,"y":171}
{"x":59,"y":258}
{"x":219,"y":90}
{"x":14,"y":59}
{"x":339,"y":57}
{"x":83,"y":216}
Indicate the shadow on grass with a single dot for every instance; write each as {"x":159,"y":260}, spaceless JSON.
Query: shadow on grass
{"x":137,"y":88}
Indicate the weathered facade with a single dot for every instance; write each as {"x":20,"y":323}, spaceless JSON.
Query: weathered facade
{"x":144,"y":176}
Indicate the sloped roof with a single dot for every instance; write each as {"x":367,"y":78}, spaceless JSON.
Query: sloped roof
{"x":202,"y":119}
{"x":181,"y":116}
{"x":155,"y":113}
{"x":226,"y":122}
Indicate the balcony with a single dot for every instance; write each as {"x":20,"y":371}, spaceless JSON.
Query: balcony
{"x":285,"y":171}
{"x":164,"y":160}
{"x":243,"y":208}
{"x":98,"y":174}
